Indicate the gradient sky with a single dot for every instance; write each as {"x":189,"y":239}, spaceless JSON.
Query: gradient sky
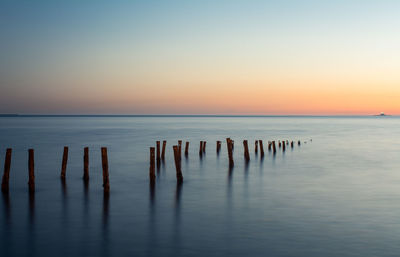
{"x":200,"y":57}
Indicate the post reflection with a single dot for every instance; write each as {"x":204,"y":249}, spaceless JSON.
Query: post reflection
{"x":7,"y":225}
{"x":64,"y":201}
{"x":152,"y":219}
{"x":230,"y":177}
{"x":105,"y":244}
{"x":85,"y":251}
{"x":31,"y":228}
{"x":178,"y":193}
{"x":7,"y":208}
{"x":31,"y":208}
{"x":86,"y":198}
{"x":176,"y":239}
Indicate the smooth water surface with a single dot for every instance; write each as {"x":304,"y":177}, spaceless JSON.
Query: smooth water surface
{"x":337,"y":195}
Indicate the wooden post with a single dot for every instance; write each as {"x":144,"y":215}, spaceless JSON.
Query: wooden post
{"x":164,"y":143}
{"x":204,"y":146}
{"x":298,"y":142}
{"x":274,"y":147}
{"x":256,"y":146}
{"x":269,"y":146}
{"x":279,"y":143}
{"x":291,"y":144}
{"x":218,"y":146}
{"x":158,"y":152}
{"x":152,"y":170}
{"x":64,"y":162}
{"x":229,"y":147}
{"x":86,"y":164}
{"x":261,"y":147}
{"x":187,"y":149}
{"x":104,"y":161}
{"x":246,"y":150}
{"x":31,"y":166}
{"x":6,"y":174}
{"x":283,"y":146}
{"x":179,"y":177}
{"x":201,"y":148}
{"x":180,"y":149}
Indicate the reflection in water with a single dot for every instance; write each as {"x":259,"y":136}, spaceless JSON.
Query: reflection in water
{"x":86,"y":199}
{"x":201,"y":158}
{"x":6,"y":242}
{"x":7,"y":208}
{"x":262,"y":160}
{"x":152,"y":194}
{"x":64,"y":201}
{"x":31,"y":208}
{"x":246,"y":180}
{"x":105,"y":244}
{"x":158,"y":165}
{"x":85,"y":232}
{"x":152,"y":219}
{"x":230,"y":176}
{"x":106,"y":200}
{"x":273,"y":158}
{"x":31,"y":228}
{"x":178,"y":193}
{"x":246,"y":169}
{"x":176,"y":239}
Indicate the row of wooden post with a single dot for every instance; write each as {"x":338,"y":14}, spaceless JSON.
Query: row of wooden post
{"x":202,"y":150}
{"x":31,"y":168}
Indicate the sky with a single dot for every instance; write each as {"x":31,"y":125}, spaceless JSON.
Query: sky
{"x":200,"y":57}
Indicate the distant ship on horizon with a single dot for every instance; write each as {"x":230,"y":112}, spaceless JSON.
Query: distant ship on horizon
{"x":382,"y":114}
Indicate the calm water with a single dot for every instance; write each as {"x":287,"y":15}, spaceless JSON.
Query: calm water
{"x":338,"y":195}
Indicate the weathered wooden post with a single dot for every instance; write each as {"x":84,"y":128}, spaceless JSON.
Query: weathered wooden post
{"x":298,"y":142}
{"x":201,"y":148}
{"x":246,"y":151}
{"x":256,"y":146}
{"x":229,"y":147}
{"x":86,"y":164}
{"x":283,"y":146}
{"x":158,"y":153}
{"x":269,"y":146}
{"x":152,"y":170}
{"x":180,"y":149}
{"x":64,"y":162}
{"x":204,"y":146}
{"x":31,"y":166}
{"x":6,"y":174}
{"x":179,"y":177}
{"x":291,"y":144}
{"x":164,"y":143}
{"x":104,"y":162}
{"x":279,"y":143}
{"x":187,"y":149}
{"x":274,"y":147}
{"x":261,"y":147}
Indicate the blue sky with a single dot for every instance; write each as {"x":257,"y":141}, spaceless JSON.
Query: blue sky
{"x":117,"y":56}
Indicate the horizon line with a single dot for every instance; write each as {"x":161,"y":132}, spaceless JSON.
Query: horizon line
{"x":192,"y":115}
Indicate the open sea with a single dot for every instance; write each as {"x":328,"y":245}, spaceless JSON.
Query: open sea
{"x":337,"y":194}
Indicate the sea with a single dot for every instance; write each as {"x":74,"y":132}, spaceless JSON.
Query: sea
{"x":335,"y":194}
